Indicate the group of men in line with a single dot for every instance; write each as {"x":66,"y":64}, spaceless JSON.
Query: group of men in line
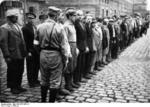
{"x":67,"y":47}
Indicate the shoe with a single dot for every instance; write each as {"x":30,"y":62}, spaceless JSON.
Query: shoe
{"x":34,"y":85}
{"x":71,"y":89}
{"x":105,"y":63}
{"x":83,"y":80}
{"x":22,"y":89}
{"x":15,"y":91}
{"x":92,"y":73}
{"x":87,"y":77}
{"x":75,"y":86}
{"x":37,"y":82}
{"x":77,"y":83}
{"x":64,"y":92}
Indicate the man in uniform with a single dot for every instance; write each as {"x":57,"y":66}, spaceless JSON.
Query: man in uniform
{"x":14,"y":51}
{"x":33,"y":64}
{"x":53,"y":55}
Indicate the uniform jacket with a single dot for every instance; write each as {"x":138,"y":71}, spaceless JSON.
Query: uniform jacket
{"x":81,"y":35}
{"x":51,"y":35}
{"x":12,"y":42}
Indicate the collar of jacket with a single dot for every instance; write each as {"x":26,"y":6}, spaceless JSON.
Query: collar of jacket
{"x":68,"y":22}
{"x":50,"y":20}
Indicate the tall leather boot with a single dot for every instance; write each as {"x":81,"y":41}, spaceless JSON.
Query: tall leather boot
{"x":52,"y":95}
{"x":44,"y":90}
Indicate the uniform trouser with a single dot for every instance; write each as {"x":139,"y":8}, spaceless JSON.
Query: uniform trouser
{"x":91,"y":60}
{"x":14,"y":73}
{"x":1,"y":63}
{"x":80,"y":69}
{"x":51,"y":68}
{"x":33,"y":68}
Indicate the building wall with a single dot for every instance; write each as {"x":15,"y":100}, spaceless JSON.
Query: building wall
{"x":4,"y":6}
{"x":100,"y":8}
{"x":141,"y":7}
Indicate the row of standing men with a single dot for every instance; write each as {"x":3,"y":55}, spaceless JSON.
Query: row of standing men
{"x":68,"y":48}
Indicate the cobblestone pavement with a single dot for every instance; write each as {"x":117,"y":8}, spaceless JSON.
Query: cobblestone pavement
{"x":125,"y":80}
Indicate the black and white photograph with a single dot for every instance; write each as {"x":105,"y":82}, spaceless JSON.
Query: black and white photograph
{"x":74,"y":51}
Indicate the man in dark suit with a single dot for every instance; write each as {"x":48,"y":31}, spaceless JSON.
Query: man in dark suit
{"x":29,"y":32}
{"x":91,"y":55}
{"x":14,"y":51}
{"x":82,"y":46}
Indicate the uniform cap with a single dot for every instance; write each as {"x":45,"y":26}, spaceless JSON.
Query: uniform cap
{"x":30,"y":15}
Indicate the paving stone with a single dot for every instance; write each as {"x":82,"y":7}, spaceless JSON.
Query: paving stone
{"x":121,"y":101}
{"x":130,"y":98}
{"x":133,"y":101}
{"x":21,"y":98}
{"x":80,"y":98}
{"x":96,"y":97}
{"x":143,"y":100}
{"x":86,"y":95}
{"x":119,"y":97}
{"x":140,"y":97}
{"x":70,"y":97}
{"x":71,"y":101}
{"x":91,"y":100}
{"x":102,"y":101}
{"x":103,"y":94}
{"x":107,"y":98}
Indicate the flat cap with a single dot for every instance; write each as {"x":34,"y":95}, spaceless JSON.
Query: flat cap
{"x":106,"y":20}
{"x":70,"y":11}
{"x":80,"y":12}
{"x":111,"y":20}
{"x":12,"y":12}
{"x":54,"y":9}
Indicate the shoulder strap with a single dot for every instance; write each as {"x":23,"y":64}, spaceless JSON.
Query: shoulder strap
{"x":51,"y":33}
{"x":50,"y":37}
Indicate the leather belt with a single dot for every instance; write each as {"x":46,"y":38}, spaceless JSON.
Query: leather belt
{"x":50,"y":49}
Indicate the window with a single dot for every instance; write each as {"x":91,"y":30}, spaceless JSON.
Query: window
{"x":103,"y":12}
{"x":31,"y":9}
{"x":106,"y":12}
